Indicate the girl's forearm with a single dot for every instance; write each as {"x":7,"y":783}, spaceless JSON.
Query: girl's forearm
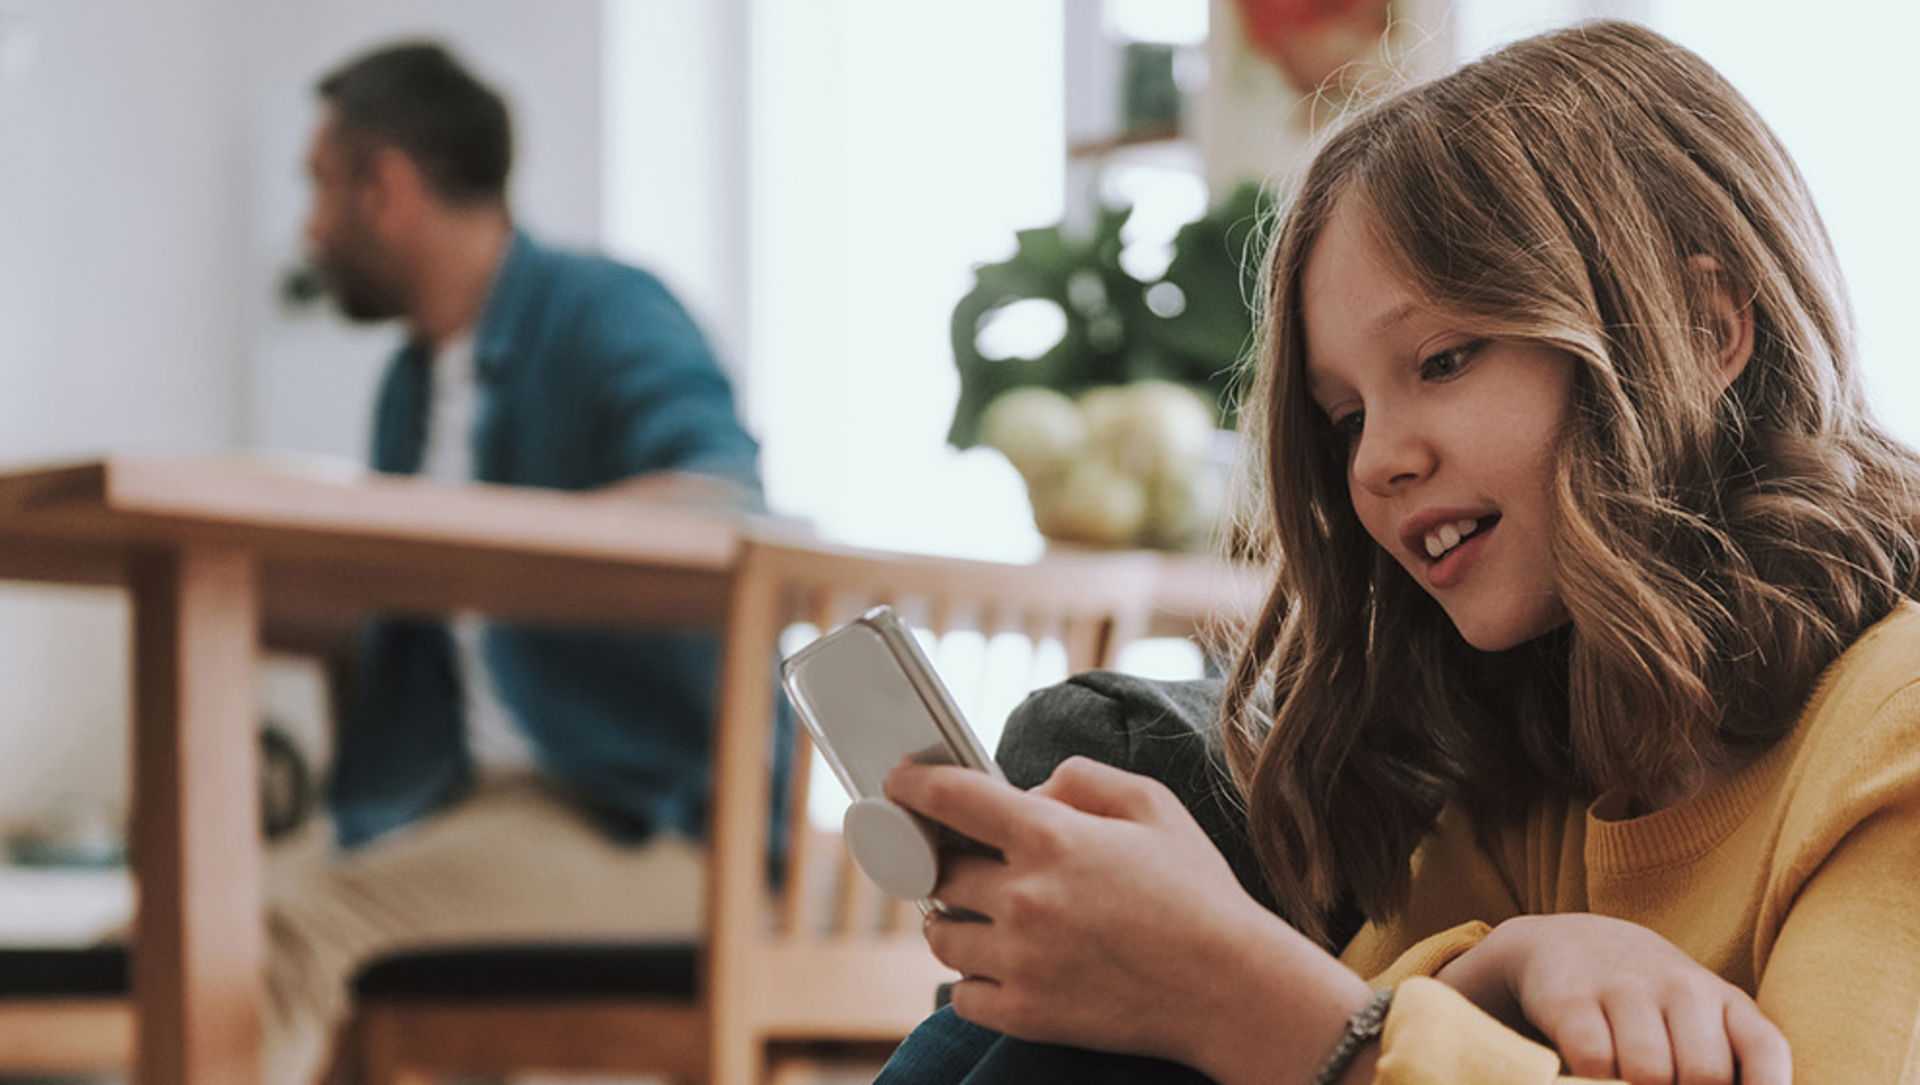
{"x":1282,"y":1005}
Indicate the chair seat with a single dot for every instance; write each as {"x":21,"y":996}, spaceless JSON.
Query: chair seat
{"x":78,"y":972}
{"x":533,"y":971}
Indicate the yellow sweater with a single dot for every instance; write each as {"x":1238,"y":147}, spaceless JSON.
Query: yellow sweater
{"x":1797,"y":880}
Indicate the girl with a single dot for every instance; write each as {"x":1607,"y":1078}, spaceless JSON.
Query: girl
{"x":1590,"y":670}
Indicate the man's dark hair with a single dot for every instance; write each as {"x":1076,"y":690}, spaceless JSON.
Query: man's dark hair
{"x":418,"y":98}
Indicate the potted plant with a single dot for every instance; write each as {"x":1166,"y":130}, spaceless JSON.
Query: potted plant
{"x":1120,"y":427}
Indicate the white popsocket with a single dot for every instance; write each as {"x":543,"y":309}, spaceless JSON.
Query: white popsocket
{"x":894,"y":848}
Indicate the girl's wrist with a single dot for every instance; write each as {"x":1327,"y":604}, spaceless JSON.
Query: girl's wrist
{"x":1280,"y":1006}
{"x":1484,"y":975}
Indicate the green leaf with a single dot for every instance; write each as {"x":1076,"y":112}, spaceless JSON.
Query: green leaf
{"x":1112,"y":336}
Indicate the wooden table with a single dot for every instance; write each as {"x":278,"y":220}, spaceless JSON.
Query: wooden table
{"x":199,"y":544}
{"x":213,"y":552}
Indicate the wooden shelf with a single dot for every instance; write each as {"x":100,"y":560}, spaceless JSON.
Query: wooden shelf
{"x":1142,"y":137}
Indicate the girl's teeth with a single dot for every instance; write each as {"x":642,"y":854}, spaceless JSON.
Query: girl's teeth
{"x":1448,"y":536}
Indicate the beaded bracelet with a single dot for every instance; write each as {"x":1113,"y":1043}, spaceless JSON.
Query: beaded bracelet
{"x":1362,"y":1028}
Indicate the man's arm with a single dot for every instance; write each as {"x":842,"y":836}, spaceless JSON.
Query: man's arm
{"x":668,"y":419}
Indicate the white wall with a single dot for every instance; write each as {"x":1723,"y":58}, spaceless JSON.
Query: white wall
{"x":118,"y":177}
{"x":676,"y":155}
{"x":151,"y":192}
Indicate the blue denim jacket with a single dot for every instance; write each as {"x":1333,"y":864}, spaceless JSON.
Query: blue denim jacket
{"x":590,"y":372}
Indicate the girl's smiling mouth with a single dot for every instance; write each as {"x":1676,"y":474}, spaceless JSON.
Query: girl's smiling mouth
{"x":1446,"y":542}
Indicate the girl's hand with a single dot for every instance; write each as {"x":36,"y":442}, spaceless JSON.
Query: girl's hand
{"x":1617,"y":1000}
{"x":1112,"y":922}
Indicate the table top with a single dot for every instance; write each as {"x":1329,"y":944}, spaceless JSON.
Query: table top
{"x":127,"y":500}
{"x":334,"y":546}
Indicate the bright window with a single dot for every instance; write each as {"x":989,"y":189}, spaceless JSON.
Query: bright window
{"x":893,"y":147}
{"x":1836,"y":82}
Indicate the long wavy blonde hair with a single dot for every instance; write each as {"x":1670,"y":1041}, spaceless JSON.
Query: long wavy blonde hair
{"x":1715,"y":548}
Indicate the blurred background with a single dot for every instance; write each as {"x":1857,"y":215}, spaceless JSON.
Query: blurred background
{"x":819,"y":179}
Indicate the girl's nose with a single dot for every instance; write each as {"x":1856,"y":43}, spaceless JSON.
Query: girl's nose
{"x":1391,"y":456}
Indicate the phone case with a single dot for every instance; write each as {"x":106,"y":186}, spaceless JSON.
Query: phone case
{"x":870,"y":697}
{"x":851,"y":688}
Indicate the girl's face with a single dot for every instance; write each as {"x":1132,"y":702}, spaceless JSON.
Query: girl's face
{"x":1449,"y":436}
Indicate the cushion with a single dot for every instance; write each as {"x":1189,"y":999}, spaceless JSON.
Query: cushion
{"x":530,"y":971}
{"x":80,"y":972}
{"x":1167,"y":730}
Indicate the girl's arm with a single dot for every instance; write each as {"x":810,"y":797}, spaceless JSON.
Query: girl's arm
{"x":1614,"y":998}
{"x":1113,"y":923}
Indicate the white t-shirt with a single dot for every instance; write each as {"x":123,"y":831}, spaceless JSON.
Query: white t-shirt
{"x":494,"y":739}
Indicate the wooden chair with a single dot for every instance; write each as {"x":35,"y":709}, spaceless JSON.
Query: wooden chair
{"x":64,"y":1011}
{"x":823,"y":959}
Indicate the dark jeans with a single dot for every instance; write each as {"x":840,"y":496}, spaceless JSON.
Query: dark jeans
{"x":945,"y":1050}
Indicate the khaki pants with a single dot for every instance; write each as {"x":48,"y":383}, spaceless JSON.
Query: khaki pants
{"x":513,"y":861}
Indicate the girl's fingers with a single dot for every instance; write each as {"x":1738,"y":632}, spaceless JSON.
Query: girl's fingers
{"x":966,"y":947}
{"x":1096,"y":788}
{"x":967,"y":801}
{"x":1582,"y":1036}
{"x":1702,"y":1047}
{"x":978,"y":999}
{"x":1642,"y":1049}
{"x":1759,"y":1047}
{"x":969,"y":881}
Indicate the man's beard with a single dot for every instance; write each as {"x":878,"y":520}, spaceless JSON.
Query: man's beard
{"x":361,"y":289}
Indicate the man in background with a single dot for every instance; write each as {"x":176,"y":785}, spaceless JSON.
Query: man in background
{"x":496,"y":781}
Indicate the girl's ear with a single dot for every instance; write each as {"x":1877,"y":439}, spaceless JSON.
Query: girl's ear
{"x":1732,"y":319}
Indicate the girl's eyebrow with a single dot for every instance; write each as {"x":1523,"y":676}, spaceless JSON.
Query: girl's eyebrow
{"x":1317,"y":380}
{"x":1396,"y":315}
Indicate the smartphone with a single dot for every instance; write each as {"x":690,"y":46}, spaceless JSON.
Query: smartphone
{"x":870,"y":698}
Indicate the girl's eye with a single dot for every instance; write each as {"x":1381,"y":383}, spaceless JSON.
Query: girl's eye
{"x":1347,"y":427}
{"x":1448,"y":363}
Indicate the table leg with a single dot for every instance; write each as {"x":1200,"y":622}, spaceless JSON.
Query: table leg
{"x":198,"y":944}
